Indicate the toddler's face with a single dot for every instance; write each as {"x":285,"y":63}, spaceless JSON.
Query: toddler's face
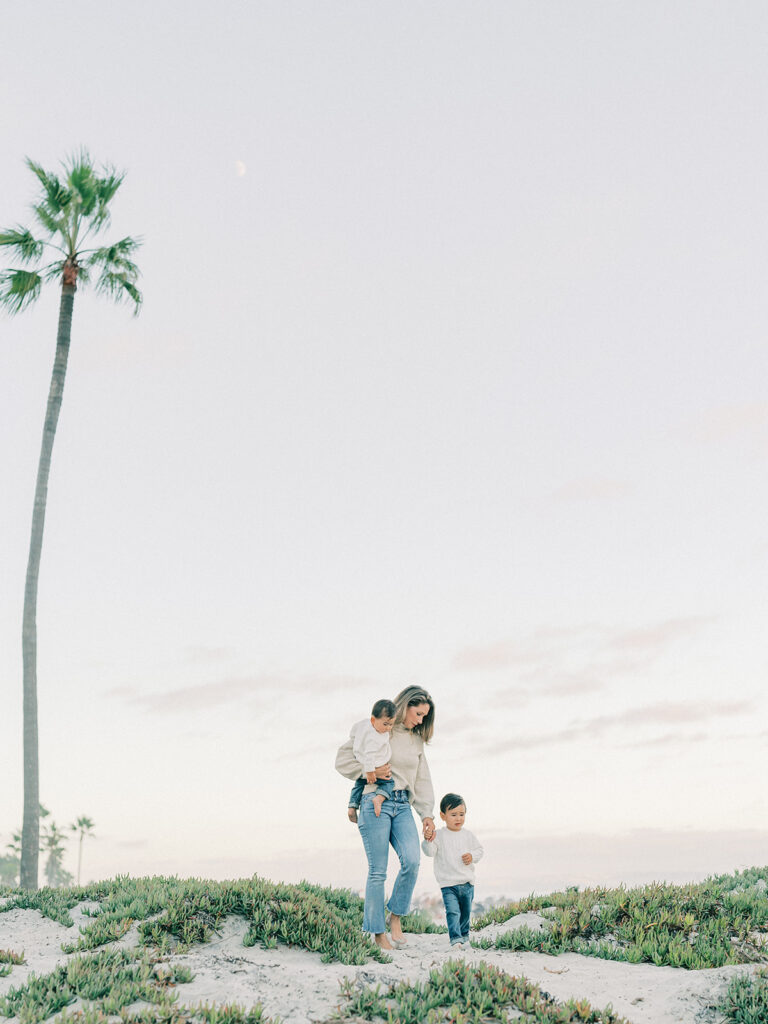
{"x":383,"y":724}
{"x":454,"y":819}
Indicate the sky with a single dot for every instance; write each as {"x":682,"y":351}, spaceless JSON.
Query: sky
{"x":451,"y":370}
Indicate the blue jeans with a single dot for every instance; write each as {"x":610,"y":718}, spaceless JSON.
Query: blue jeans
{"x":395,"y":826}
{"x":458,"y":906}
{"x":385,"y":786}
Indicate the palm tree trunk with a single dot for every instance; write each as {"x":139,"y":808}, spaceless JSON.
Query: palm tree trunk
{"x":30,"y":835}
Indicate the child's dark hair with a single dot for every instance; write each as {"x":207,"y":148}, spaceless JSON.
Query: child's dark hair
{"x":451,"y":800}
{"x":383,"y":708}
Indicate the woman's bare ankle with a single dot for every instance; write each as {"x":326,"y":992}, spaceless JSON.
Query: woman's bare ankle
{"x":382,"y":941}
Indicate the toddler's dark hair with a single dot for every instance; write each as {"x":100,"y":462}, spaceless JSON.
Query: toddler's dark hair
{"x":384,"y":708}
{"x":451,"y":800}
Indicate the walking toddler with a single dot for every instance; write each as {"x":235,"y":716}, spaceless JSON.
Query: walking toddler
{"x":456,"y":851}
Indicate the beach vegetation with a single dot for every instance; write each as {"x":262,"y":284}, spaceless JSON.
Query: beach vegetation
{"x":109,"y":980}
{"x":173,"y":913}
{"x":723,"y":920}
{"x":9,"y":960}
{"x":465,"y":993}
{"x":746,"y":999}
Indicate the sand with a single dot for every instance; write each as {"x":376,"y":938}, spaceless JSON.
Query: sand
{"x":295,"y":985}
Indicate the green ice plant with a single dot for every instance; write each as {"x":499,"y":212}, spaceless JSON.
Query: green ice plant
{"x":69,"y":214}
{"x":719,"y":921}
{"x":465,"y":993}
{"x":7,"y":956}
{"x":746,"y":1000}
{"x":111,"y":978}
{"x":9,"y":960}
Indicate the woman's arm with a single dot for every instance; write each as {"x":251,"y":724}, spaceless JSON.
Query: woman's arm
{"x":423,"y":792}
{"x":346,"y":762}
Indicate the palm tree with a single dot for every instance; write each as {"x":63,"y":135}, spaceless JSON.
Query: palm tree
{"x":53,"y":840}
{"x":68,"y":213}
{"x":84,"y":826}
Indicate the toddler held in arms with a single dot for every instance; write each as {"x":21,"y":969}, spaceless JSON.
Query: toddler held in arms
{"x":370,"y":745}
{"x":456,"y":851}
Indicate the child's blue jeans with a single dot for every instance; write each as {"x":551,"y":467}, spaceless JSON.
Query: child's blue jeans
{"x":458,"y":906}
{"x":385,"y":786}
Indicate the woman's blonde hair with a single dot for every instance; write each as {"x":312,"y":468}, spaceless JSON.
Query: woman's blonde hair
{"x":411,"y":697}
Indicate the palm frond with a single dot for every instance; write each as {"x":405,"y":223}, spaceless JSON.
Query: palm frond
{"x":120,"y":285}
{"x":114,"y":255}
{"x":56,"y":195}
{"x":19,"y":289}
{"x":52,"y":224}
{"x":53,"y":271}
{"x":82,"y":184}
{"x":107,"y":187}
{"x":92,"y":191}
{"x":24,"y":246}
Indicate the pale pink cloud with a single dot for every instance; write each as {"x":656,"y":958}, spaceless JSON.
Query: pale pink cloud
{"x":681,"y":714}
{"x":732,"y":421}
{"x":531,"y":651}
{"x":656,"y":637}
{"x":672,"y":739}
{"x":542,"y":654}
{"x":255,"y":690}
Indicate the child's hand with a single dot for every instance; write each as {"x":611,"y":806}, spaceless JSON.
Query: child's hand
{"x":370,"y":777}
{"x":467,"y":858}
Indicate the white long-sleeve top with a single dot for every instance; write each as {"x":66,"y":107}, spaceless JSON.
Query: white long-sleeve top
{"x":447,"y":848}
{"x":372,"y":749}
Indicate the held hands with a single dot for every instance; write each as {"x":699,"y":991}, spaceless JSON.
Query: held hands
{"x":429,"y":830}
{"x":370,"y":777}
{"x":467,"y":858}
{"x":384,"y":771}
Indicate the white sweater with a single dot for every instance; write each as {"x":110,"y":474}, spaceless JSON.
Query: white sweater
{"x":447,"y":849}
{"x":370,"y":748}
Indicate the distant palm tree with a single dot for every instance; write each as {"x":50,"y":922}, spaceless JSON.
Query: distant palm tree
{"x":68,"y":213}
{"x":53,"y":839}
{"x":84,"y":826}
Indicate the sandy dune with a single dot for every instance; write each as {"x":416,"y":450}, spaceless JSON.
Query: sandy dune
{"x":295,"y":985}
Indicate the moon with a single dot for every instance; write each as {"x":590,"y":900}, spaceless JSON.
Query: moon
{"x":239,"y":168}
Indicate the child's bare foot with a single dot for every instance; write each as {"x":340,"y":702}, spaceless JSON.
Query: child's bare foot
{"x":352,"y":814}
{"x":378,"y":800}
{"x":382,"y":941}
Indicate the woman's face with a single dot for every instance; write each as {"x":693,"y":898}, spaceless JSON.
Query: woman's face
{"x":415,"y":715}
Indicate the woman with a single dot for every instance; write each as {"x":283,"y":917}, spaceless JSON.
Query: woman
{"x":414,"y":725}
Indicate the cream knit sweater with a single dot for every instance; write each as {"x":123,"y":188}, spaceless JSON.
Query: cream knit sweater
{"x":409,"y":769}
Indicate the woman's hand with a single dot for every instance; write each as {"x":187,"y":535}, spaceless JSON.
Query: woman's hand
{"x":429,"y":829}
{"x":384,"y":771}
